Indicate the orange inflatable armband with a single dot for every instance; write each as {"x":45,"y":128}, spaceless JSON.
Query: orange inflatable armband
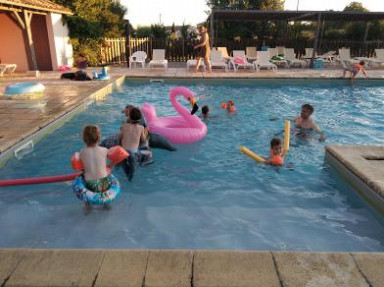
{"x":77,"y":164}
{"x":224,"y":105}
{"x":232,"y":109}
{"x":277,"y":160}
{"x":117,"y":154}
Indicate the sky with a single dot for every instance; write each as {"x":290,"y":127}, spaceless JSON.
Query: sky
{"x":192,"y":12}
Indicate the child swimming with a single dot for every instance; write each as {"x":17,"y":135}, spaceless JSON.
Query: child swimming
{"x":229,"y":106}
{"x":277,"y":154}
{"x":305,"y":121}
{"x":205,"y":111}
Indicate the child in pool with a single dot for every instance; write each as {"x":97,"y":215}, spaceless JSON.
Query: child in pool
{"x":94,"y":158}
{"x":277,"y":154}
{"x":205,"y":111}
{"x":229,"y":106}
{"x":132,"y":134}
{"x":305,"y":121}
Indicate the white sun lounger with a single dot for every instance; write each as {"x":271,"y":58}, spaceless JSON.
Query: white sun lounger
{"x":240,"y":54}
{"x":158,"y":59}
{"x":289,"y":55}
{"x":263,"y":61}
{"x":345,"y":56}
{"x":217,"y":60}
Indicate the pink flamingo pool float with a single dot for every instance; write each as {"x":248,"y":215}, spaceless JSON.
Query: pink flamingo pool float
{"x":185,"y":128}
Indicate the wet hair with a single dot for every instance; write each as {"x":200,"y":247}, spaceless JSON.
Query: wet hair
{"x":205,"y":110}
{"x":275,"y":142}
{"x":362,"y":63}
{"x":91,"y":135}
{"x":129,"y":106}
{"x":309,"y":107}
{"x":135,"y":115}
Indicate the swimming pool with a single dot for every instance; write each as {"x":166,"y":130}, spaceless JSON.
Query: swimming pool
{"x":208,"y":194}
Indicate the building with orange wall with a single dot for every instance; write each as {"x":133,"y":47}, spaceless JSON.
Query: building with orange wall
{"x":33,"y":35}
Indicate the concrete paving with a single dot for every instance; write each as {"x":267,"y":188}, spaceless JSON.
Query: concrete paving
{"x":191,"y":268}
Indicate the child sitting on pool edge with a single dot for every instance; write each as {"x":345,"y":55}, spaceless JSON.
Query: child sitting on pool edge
{"x":277,"y":154}
{"x":132,"y":134}
{"x":94,"y":158}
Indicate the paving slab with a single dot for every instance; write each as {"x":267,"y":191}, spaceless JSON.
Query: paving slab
{"x":122,"y":268}
{"x":57,"y":268}
{"x":168,"y":268}
{"x":372,"y":266}
{"x":9,"y":259}
{"x":310,"y":269}
{"x":230,"y":269}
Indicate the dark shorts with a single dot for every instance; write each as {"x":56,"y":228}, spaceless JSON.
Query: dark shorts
{"x":204,"y":52}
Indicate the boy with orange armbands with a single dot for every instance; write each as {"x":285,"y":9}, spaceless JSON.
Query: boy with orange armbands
{"x":94,"y":159}
{"x":277,"y":154}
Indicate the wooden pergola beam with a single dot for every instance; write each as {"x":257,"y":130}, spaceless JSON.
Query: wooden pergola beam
{"x":27,"y":21}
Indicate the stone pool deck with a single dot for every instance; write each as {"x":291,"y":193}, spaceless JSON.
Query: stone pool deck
{"x":23,"y":120}
{"x":186,"y":268}
{"x":363,"y":167}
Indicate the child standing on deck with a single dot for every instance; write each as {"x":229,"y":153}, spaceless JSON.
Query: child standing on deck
{"x":94,"y":158}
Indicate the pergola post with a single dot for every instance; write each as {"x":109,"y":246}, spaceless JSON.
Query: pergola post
{"x":27,"y":23}
{"x":211,"y":29}
{"x":127,"y":42}
{"x":316,"y":40}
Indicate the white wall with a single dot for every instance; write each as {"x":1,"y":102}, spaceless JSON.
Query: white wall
{"x":64,"y":52}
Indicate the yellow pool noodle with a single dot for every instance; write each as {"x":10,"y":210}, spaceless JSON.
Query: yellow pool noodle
{"x":287,"y":133}
{"x":252,"y":155}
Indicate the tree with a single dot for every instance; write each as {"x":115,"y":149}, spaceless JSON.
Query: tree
{"x":158,"y":31}
{"x":355,"y":6}
{"x":92,"y":21}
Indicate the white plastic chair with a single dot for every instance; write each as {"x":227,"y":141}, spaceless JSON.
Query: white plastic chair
{"x":158,"y":58}
{"x":289,"y":55}
{"x":7,"y":68}
{"x":137,"y":57}
{"x":217,"y":60}
{"x":240,"y":54}
{"x":263,"y":61}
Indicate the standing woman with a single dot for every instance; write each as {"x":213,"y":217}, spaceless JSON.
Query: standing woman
{"x":205,"y":49}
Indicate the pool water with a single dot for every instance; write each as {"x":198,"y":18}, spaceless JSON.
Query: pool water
{"x":208,"y":195}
